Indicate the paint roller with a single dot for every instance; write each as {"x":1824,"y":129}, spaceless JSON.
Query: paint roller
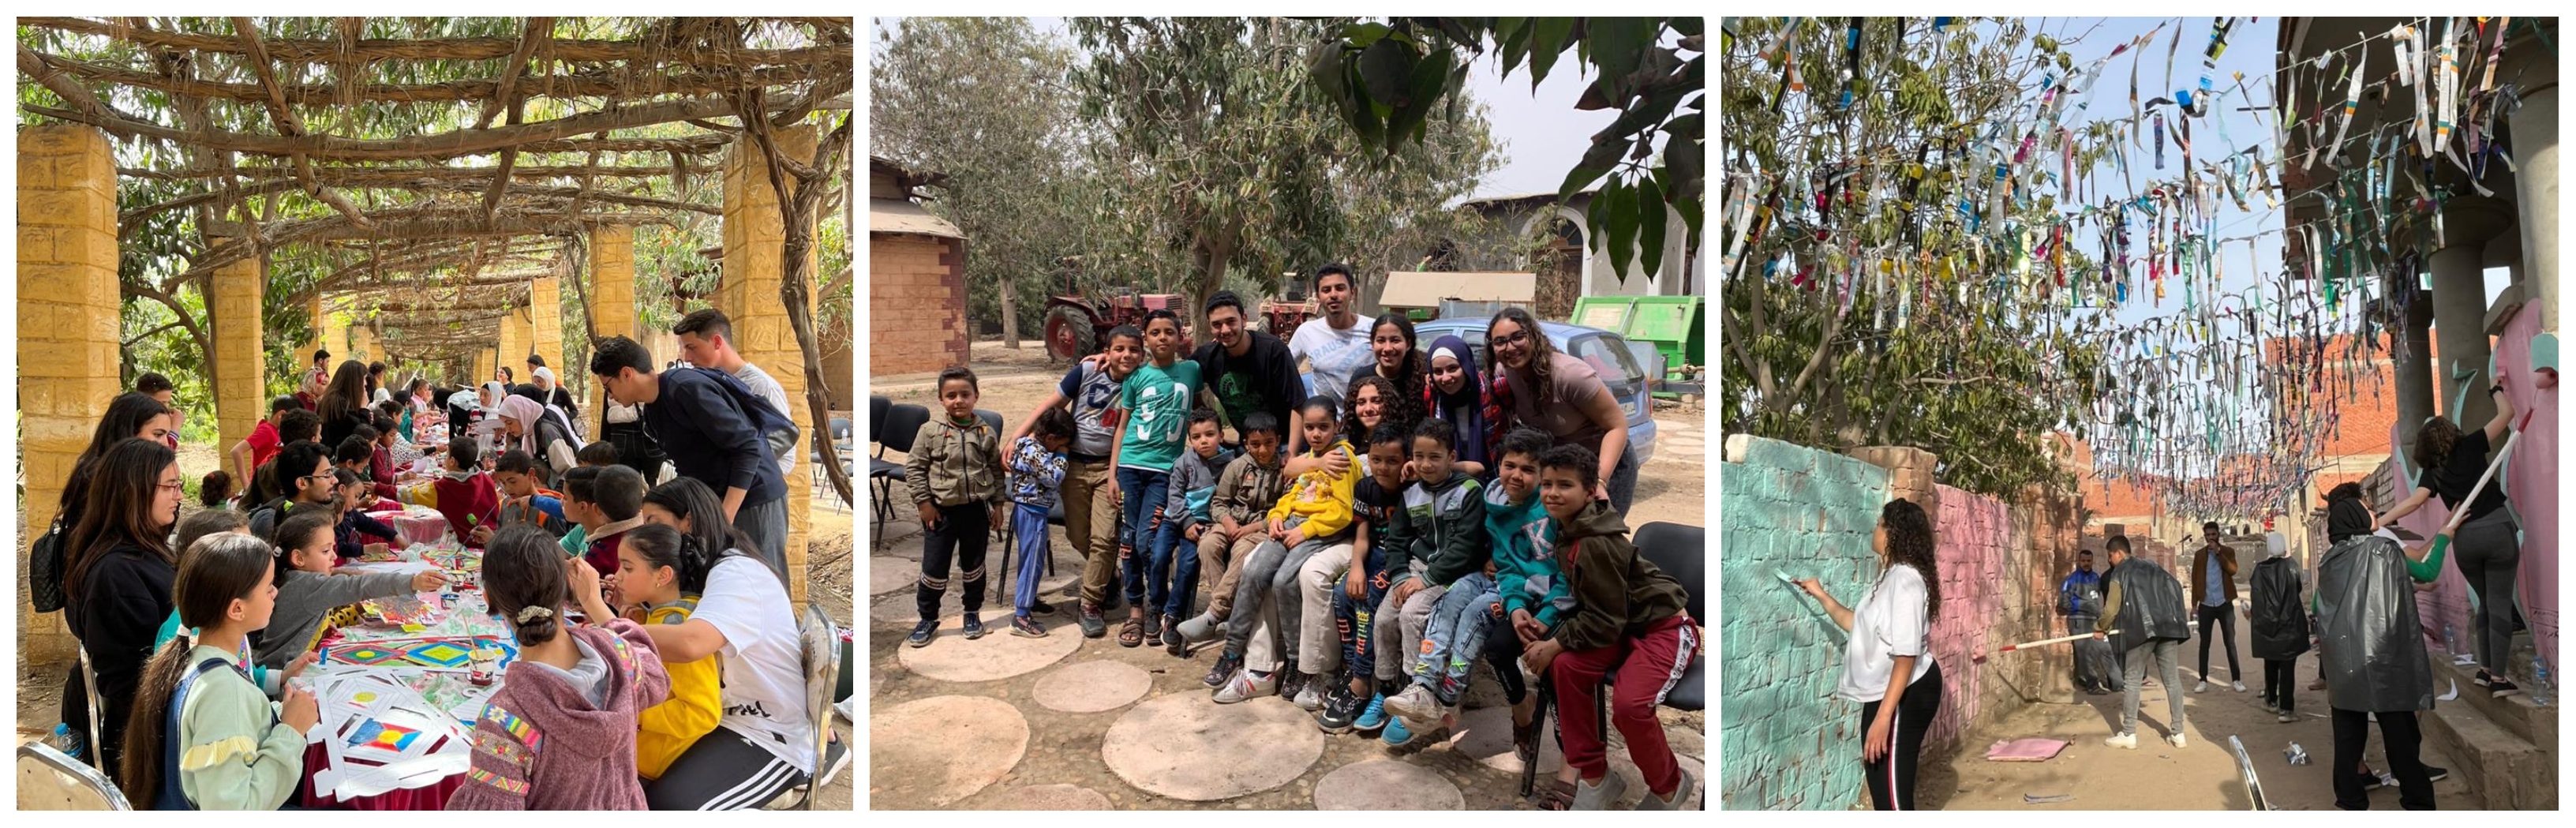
{"x":2442,"y":540}
{"x":1980,"y":658}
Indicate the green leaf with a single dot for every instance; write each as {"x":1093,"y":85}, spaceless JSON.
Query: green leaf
{"x":1550,"y":36}
{"x":1617,"y":45}
{"x":1386,"y":71}
{"x":1650,"y":217}
{"x":1361,"y":35}
{"x":1598,"y":161}
{"x":1623,"y":222}
{"x":1512,"y":34}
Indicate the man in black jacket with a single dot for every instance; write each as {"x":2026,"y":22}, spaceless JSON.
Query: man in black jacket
{"x":1249,"y":370}
{"x":700,"y":425}
{"x":2143,"y":604}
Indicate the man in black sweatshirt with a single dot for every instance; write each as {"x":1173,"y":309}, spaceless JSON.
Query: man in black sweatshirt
{"x":701,"y":425}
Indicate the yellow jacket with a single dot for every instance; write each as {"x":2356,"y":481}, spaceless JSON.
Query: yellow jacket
{"x":1324,"y":499}
{"x":666,"y":730}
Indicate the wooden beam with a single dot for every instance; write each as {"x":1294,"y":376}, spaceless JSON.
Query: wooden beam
{"x":364,"y":176}
{"x":443,"y":145}
{"x":458,"y":48}
{"x":570,"y":86}
{"x":529,"y":34}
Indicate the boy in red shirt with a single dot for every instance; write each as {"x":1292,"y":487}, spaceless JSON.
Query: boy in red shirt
{"x":465,"y":494}
{"x":263,"y":443}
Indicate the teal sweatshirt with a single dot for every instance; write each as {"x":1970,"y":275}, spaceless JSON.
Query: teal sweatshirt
{"x":1525,"y":570}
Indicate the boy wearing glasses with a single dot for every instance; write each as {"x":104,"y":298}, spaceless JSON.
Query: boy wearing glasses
{"x":304,"y":469}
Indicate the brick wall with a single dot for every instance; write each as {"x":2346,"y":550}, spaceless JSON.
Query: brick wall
{"x":67,"y":311}
{"x":916,"y":304}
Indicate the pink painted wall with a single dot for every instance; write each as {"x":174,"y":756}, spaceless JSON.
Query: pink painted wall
{"x":1976,"y":538}
{"x":2531,"y":478}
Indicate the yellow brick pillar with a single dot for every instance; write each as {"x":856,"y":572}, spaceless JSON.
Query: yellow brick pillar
{"x":240,"y":370}
{"x":753,"y":232}
{"x":545,"y":317}
{"x":482,"y":366}
{"x":514,"y":344}
{"x":68,"y":311}
{"x":312,"y":338}
{"x":363,"y":346}
{"x":611,"y":295}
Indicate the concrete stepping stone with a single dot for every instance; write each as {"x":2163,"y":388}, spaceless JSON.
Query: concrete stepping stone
{"x":1185,"y":746}
{"x":1484,"y":734}
{"x":1050,"y":798}
{"x":1092,"y":686}
{"x":998,"y":655}
{"x":930,"y":752}
{"x":1386,"y":785}
{"x":887,"y":573}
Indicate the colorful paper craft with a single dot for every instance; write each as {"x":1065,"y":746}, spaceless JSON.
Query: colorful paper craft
{"x":378,"y":734}
{"x":438,"y":652}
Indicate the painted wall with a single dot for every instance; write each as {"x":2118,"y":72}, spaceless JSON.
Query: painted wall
{"x":2531,"y":479}
{"x":1975,"y":536}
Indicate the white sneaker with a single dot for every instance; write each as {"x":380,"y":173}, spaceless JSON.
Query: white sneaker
{"x":1242,"y":686}
{"x":2176,"y":739}
{"x":2202,"y":687}
{"x":1308,"y":698}
{"x":1414,"y":703}
{"x":2287,"y":718}
{"x":2240,"y":686}
{"x":2123,"y":741}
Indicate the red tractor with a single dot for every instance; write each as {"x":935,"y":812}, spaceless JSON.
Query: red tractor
{"x":1076,"y":325}
{"x":1282,"y":315}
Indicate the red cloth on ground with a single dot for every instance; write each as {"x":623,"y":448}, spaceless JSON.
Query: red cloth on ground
{"x":1647,"y":667}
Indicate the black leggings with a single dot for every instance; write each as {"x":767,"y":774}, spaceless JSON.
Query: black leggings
{"x":1891,"y":778}
{"x":961,"y":533}
{"x":1503,"y":651}
{"x":2489,"y":557}
{"x":2405,"y":741}
{"x":2226,"y":621}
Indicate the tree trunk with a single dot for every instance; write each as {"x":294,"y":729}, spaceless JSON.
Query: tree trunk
{"x":797,"y":206}
{"x":1010,"y":315}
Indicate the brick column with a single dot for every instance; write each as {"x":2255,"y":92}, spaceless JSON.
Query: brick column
{"x":482,"y":367}
{"x":68,"y":310}
{"x":545,"y":315}
{"x":363,"y":346}
{"x":753,"y":232}
{"x":611,"y":295}
{"x":240,"y":376}
{"x":514,"y":345}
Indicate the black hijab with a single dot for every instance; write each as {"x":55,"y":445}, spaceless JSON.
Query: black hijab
{"x":2346,"y":518}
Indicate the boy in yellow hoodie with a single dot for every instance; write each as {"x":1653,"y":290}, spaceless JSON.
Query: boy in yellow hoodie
{"x":1314,"y":514}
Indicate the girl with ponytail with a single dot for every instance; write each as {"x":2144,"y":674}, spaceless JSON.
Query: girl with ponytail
{"x":203,"y":736}
{"x":659,"y":575}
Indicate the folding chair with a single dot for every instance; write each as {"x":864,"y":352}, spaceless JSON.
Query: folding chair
{"x":51,"y":781}
{"x":820,"y":654}
{"x":97,"y":720}
{"x":901,"y":423}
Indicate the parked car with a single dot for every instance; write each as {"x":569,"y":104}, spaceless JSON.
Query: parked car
{"x":1627,"y":368}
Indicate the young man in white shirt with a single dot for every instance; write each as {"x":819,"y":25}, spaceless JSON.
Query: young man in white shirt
{"x":1334,"y":344}
{"x":706,"y":341}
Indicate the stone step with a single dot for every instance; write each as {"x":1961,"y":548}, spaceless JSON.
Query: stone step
{"x":2504,"y":771}
{"x":2514,"y":714}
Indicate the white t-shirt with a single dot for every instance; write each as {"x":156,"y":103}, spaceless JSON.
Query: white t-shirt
{"x":764,"y":675}
{"x":1890,"y":622}
{"x":1334,"y":354}
{"x":761,"y":383}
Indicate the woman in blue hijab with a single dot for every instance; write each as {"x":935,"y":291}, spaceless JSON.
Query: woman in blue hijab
{"x":1457,"y":393}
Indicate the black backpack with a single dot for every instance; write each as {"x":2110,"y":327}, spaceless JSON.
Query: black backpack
{"x":776,"y":427}
{"x":45,"y":570}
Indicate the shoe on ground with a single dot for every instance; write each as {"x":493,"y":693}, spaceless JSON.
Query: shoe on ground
{"x":922,"y":632}
{"x":2123,"y":741}
{"x":835,"y":759}
{"x":1681,"y":793}
{"x":2200,"y":687}
{"x":2237,"y":685}
{"x":2370,"y":780}
{"x":1341,"y":708}
{"x":2287,"y":718}
{"x":1372,"y":714}
{"x":1414,"y":703}
{"x":1244,"y":686}
{"x":1041,"y":608}
{"x":1597,"y":796}
{"x":1226,"y":664}
{"x":1093,"y":626}
{"x":1200,"y":629}
{"x":1291,"y":682}
{"x":1396,"y":734}
{"x":2176,"y":740}
{"x":1026,"y":627}
{"x":2501,"y":688}
{"x":2434,"y":774}
{"x":2483,"y":678}
{"x":1309,"y":697}
{"x":974,"y":626}
{"x":1171,"y":636}
{"x":2269,"y":707}
{"x":1154,"y":626}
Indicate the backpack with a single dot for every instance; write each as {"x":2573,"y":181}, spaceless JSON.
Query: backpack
{"x":45,"y":570}
{"x":776,"y":428}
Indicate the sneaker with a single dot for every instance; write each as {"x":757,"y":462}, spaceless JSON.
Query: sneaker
{"x":2176,"y":740}
{"x":2201,"y":687}
{"x":2369,"y":779}
{"x":1291,"y":682}
{"x":1590,"y":796}
{"x":2237,"y":685}
{"x":1244,"y":686}
{"x":1308,"y":697}
{"x":922,"y":632}
{"x":1372,"y":715}
{"x":1414,"y":703}
{"x":2269,"y":707}
{"x":1226,"y":664}
{"x":1026,"y":627}
{"x":2482,"y":679}
{"x":2123,"y":741}
{"x":1341,"y":709}
{"x":1171,"y":637}
{"x":974,"y":626}
{"x":1200,"y":629}
{"x":1041,"y":608}
{"x":1651,"y":802}
{"x":2287,"y":717}
{"x":2434,"y":774}
{"x":1153,"y":627}
{"x":1396,"y":734}
{"x":1092,"y":624}
{"x":2501,"y":688}
{"x":835,"y":759}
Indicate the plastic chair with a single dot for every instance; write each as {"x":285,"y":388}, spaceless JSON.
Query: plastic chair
{"x":51,"y":781}
{"x":819,"y":647}
{"x":901,"y":423}
{"x":877,"y":407}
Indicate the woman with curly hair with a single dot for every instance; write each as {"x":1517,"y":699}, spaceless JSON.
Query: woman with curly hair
{"x":1536,"y":385}
{"x":1887,"y":662}
{"x":1397,"y":357}
{"x":2448,"y":463}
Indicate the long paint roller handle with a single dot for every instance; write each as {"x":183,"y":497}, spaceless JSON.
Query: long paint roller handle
{"x":2443,"y":540}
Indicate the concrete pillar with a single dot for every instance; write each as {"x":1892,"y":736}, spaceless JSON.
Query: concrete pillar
{"x":612,"y":296}
{"x":2414,"y":369}
{"x":514,"y":345}
{"x":2459,"y":315}
{"x":545,"y":314}
{"x":239,"y":366}
{"x":68,"y":311}
{"x":753,"y":231}
{"x":2534,"y":127}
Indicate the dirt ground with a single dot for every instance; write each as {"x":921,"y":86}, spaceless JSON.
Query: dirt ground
{"x":39,"y":686}
{"x":1066,"y":748}
{"x":2158,"y":776}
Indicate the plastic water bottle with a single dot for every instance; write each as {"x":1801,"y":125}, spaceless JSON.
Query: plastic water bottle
{"x":63,"y":741}
{"x":2539,"y":691}
{"x":2450,"y":639}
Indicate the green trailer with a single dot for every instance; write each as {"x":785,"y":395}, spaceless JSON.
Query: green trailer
{"x":1670,"y":323}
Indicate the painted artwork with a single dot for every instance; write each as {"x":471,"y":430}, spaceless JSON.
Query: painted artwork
{"x":438,"y":653}
{"x":380,"y":735}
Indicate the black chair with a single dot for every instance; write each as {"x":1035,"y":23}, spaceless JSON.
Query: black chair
{"x":1681,"y":552}
{"x":900,"y":424}
{"x":877,"y":407}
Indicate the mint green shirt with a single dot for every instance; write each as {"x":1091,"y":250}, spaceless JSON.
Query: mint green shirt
{"x":1158,"y":402}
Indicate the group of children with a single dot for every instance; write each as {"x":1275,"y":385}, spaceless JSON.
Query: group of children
{"x":588,"y":714}
{"x":1310,"y":563}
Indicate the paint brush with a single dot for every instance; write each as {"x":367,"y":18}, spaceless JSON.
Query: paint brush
{"x":1980,"y":658}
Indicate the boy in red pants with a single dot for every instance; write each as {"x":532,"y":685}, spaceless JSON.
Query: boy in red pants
{"x":1628,"y":615}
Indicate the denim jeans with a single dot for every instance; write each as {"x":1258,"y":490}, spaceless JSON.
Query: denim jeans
{"x":1353,"y":618}
{"x":1456,"y":634}
{"x":1178,"y":556}
{"x":1140,"y":505}
{"x":1029,"y":525}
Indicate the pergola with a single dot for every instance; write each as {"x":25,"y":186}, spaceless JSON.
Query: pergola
{"x":442,"y":181}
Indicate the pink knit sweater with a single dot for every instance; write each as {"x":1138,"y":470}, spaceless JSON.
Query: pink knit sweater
{"x":543,"y":746}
